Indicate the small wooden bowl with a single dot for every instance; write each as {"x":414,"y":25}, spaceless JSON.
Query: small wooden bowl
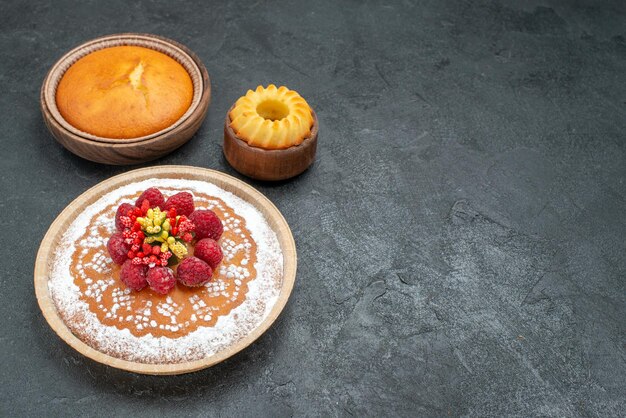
{"x":273,"y":165}
{"x":133,"y":150}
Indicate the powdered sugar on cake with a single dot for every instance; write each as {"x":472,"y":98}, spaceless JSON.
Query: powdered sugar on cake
{"x":203,"y":341}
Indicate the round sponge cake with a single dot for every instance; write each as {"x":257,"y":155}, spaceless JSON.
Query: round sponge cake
{"x":124,"y":92}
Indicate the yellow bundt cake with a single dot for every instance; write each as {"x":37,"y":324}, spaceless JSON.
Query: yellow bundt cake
{"x":271,"y":118}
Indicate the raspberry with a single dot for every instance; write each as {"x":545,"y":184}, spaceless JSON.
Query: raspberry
{"x":194,"y":272}
{"x":123,"y":210}
{"x":161,"y":279}
{"x":209,"y":251}
{"x":118,"y":249}
{"x":208,"y":225}
{"x":153,"y":195}
{"x":133,"y":275}
{"x":182,"y":202}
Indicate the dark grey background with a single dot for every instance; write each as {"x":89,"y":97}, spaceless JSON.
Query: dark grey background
{"x":460,"y":235}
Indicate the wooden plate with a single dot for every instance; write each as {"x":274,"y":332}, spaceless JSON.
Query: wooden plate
{"x":134,"y":150}
{"x":45,"y":257}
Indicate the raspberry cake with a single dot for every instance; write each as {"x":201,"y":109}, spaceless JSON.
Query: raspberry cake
{"x":116,"y":290}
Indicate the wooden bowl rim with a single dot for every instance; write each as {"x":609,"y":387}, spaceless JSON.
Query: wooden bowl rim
{"x":48,"y":89}
{"x":229,"y":183}
{"x":305,"y":141}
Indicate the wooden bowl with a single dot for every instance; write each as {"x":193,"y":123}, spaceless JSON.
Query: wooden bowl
{"x":273,"y":165}
{"x":133,"y":150}
{"x":45,"y":258}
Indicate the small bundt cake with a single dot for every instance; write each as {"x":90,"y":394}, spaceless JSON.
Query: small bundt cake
{"x":271,"y":118}
{"x":124,"y":92}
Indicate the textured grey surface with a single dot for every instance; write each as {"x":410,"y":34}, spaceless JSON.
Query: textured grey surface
{"x":460,"y":236}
